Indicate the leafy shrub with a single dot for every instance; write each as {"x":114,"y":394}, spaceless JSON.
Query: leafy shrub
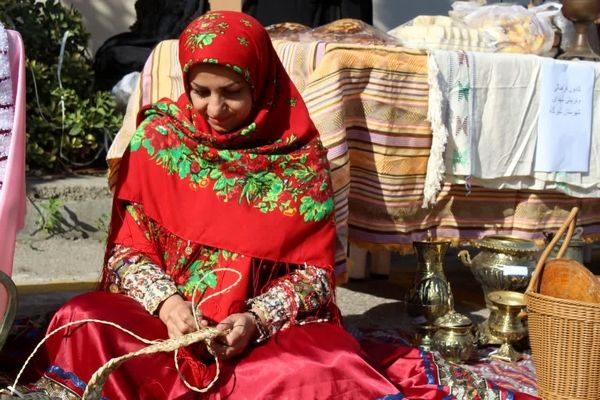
{"x":54,"y":144}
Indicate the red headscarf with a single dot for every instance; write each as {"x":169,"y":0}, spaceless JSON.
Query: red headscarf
{"x":263,"y":191}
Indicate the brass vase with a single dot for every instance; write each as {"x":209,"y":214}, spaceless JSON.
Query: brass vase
{"x":582,"y":13}
{"x":428,"y":298}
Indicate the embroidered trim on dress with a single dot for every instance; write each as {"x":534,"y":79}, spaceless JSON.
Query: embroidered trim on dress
{"x":300,"y":297}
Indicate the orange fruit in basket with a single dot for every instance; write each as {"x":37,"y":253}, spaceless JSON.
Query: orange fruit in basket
{"x":568,"y":279}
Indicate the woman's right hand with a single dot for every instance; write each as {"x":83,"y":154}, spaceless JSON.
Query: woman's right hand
{"x":176,"y":314}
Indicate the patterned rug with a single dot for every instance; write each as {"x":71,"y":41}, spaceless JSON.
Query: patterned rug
{"x":514,"y":377}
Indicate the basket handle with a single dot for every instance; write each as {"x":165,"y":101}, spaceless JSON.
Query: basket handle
{"x":570,"y":224}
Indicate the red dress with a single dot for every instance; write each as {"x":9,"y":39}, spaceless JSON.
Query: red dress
{"x":313,"y":361}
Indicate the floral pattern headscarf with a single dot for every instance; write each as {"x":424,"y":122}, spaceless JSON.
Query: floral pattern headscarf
{"x":264,"y":190}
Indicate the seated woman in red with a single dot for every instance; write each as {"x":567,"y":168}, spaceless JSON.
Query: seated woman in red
{"x":225,"y":193}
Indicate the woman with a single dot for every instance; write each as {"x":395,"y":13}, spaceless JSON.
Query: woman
{"x":223,"y":196}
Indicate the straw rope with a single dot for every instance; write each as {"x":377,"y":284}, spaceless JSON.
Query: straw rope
{"x":93,"y":389}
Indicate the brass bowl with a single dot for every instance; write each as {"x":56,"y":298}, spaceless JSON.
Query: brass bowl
{"x":505,"y":322}
{"x":581,"y":10}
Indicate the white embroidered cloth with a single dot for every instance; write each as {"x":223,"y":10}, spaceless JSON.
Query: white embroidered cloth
{"x":483,"y":110}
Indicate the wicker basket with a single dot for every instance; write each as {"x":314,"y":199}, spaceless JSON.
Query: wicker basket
{"x":564,"y":335}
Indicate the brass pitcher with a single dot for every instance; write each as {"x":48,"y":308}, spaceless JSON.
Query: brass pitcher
{"x":428,"y":297}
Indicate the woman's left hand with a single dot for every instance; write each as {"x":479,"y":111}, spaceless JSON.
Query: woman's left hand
{"x":241,"y":330}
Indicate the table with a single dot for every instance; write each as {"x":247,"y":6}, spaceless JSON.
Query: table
{"x":370,"y":105}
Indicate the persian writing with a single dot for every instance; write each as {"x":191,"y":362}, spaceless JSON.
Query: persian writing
{"x":566,"y":100}
{"x":564,"y":128}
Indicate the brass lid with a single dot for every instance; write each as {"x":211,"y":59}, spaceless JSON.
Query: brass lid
{"x":507,"y":244}
{"x":453,"y":320}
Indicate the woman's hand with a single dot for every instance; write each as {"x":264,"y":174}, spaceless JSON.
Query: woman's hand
{"x":176,"y":314}
{"x":241,"y":330}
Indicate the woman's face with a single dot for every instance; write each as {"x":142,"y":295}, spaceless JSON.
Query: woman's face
{"x":222,"y":96}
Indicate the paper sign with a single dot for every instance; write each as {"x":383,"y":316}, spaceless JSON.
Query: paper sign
{"x":565,"y":117}
{"x":514,"y":270}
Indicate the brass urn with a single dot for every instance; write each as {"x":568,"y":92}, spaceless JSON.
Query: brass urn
{"x":504,"y":263}
{"x":582,"y":13}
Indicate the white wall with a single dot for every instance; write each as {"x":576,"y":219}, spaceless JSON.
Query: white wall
{"x":104,"y":18}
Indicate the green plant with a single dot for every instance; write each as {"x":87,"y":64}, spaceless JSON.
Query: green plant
{"x":102,"y":224}
{"x":54,"y":144}
{"x":50,"y":219}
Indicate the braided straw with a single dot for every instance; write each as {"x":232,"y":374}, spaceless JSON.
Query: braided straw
{"x":93,"y":390}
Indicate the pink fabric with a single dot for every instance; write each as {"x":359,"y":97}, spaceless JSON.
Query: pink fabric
{"x":12,"y":194}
